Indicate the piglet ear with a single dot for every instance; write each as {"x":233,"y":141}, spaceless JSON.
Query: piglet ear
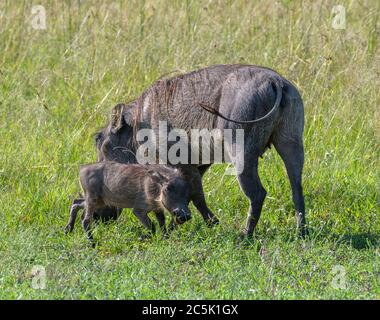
{"x":157,"y":177}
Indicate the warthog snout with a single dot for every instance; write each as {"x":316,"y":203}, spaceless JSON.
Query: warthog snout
{"x":181,"y":215}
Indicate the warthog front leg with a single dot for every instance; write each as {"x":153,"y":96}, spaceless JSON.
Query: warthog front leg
{"x":194,"y":174}
{"x":199,"y":201}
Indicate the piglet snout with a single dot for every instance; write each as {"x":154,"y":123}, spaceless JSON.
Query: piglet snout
{"x":181,"y":215}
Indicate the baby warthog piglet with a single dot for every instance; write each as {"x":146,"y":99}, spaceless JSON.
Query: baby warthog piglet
{"x":143,"y":188}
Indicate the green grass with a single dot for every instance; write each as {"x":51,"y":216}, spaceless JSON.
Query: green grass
{"x":57,"y":87}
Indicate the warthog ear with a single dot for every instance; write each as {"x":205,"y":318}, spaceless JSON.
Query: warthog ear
{"x":117,"y":119}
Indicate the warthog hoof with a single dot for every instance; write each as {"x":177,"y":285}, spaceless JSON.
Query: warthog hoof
{"x":212,"y":222}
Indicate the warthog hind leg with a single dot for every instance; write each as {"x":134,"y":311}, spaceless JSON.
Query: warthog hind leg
{"x":292,"y":154}
{"x":250,"y":183}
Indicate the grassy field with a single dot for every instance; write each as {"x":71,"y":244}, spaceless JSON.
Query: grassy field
{"x":58,"y":85}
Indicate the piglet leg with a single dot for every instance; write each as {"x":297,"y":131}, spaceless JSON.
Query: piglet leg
{"x":87,"y":219}
{"x":160,"y":216}
{"x":142,"y":215}
{"x":76,"y":206}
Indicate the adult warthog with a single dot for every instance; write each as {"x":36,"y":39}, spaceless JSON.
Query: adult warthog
{"x":266,"y":106}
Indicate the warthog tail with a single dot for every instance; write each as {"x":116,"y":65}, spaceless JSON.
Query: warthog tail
{"x":278,"y":87}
